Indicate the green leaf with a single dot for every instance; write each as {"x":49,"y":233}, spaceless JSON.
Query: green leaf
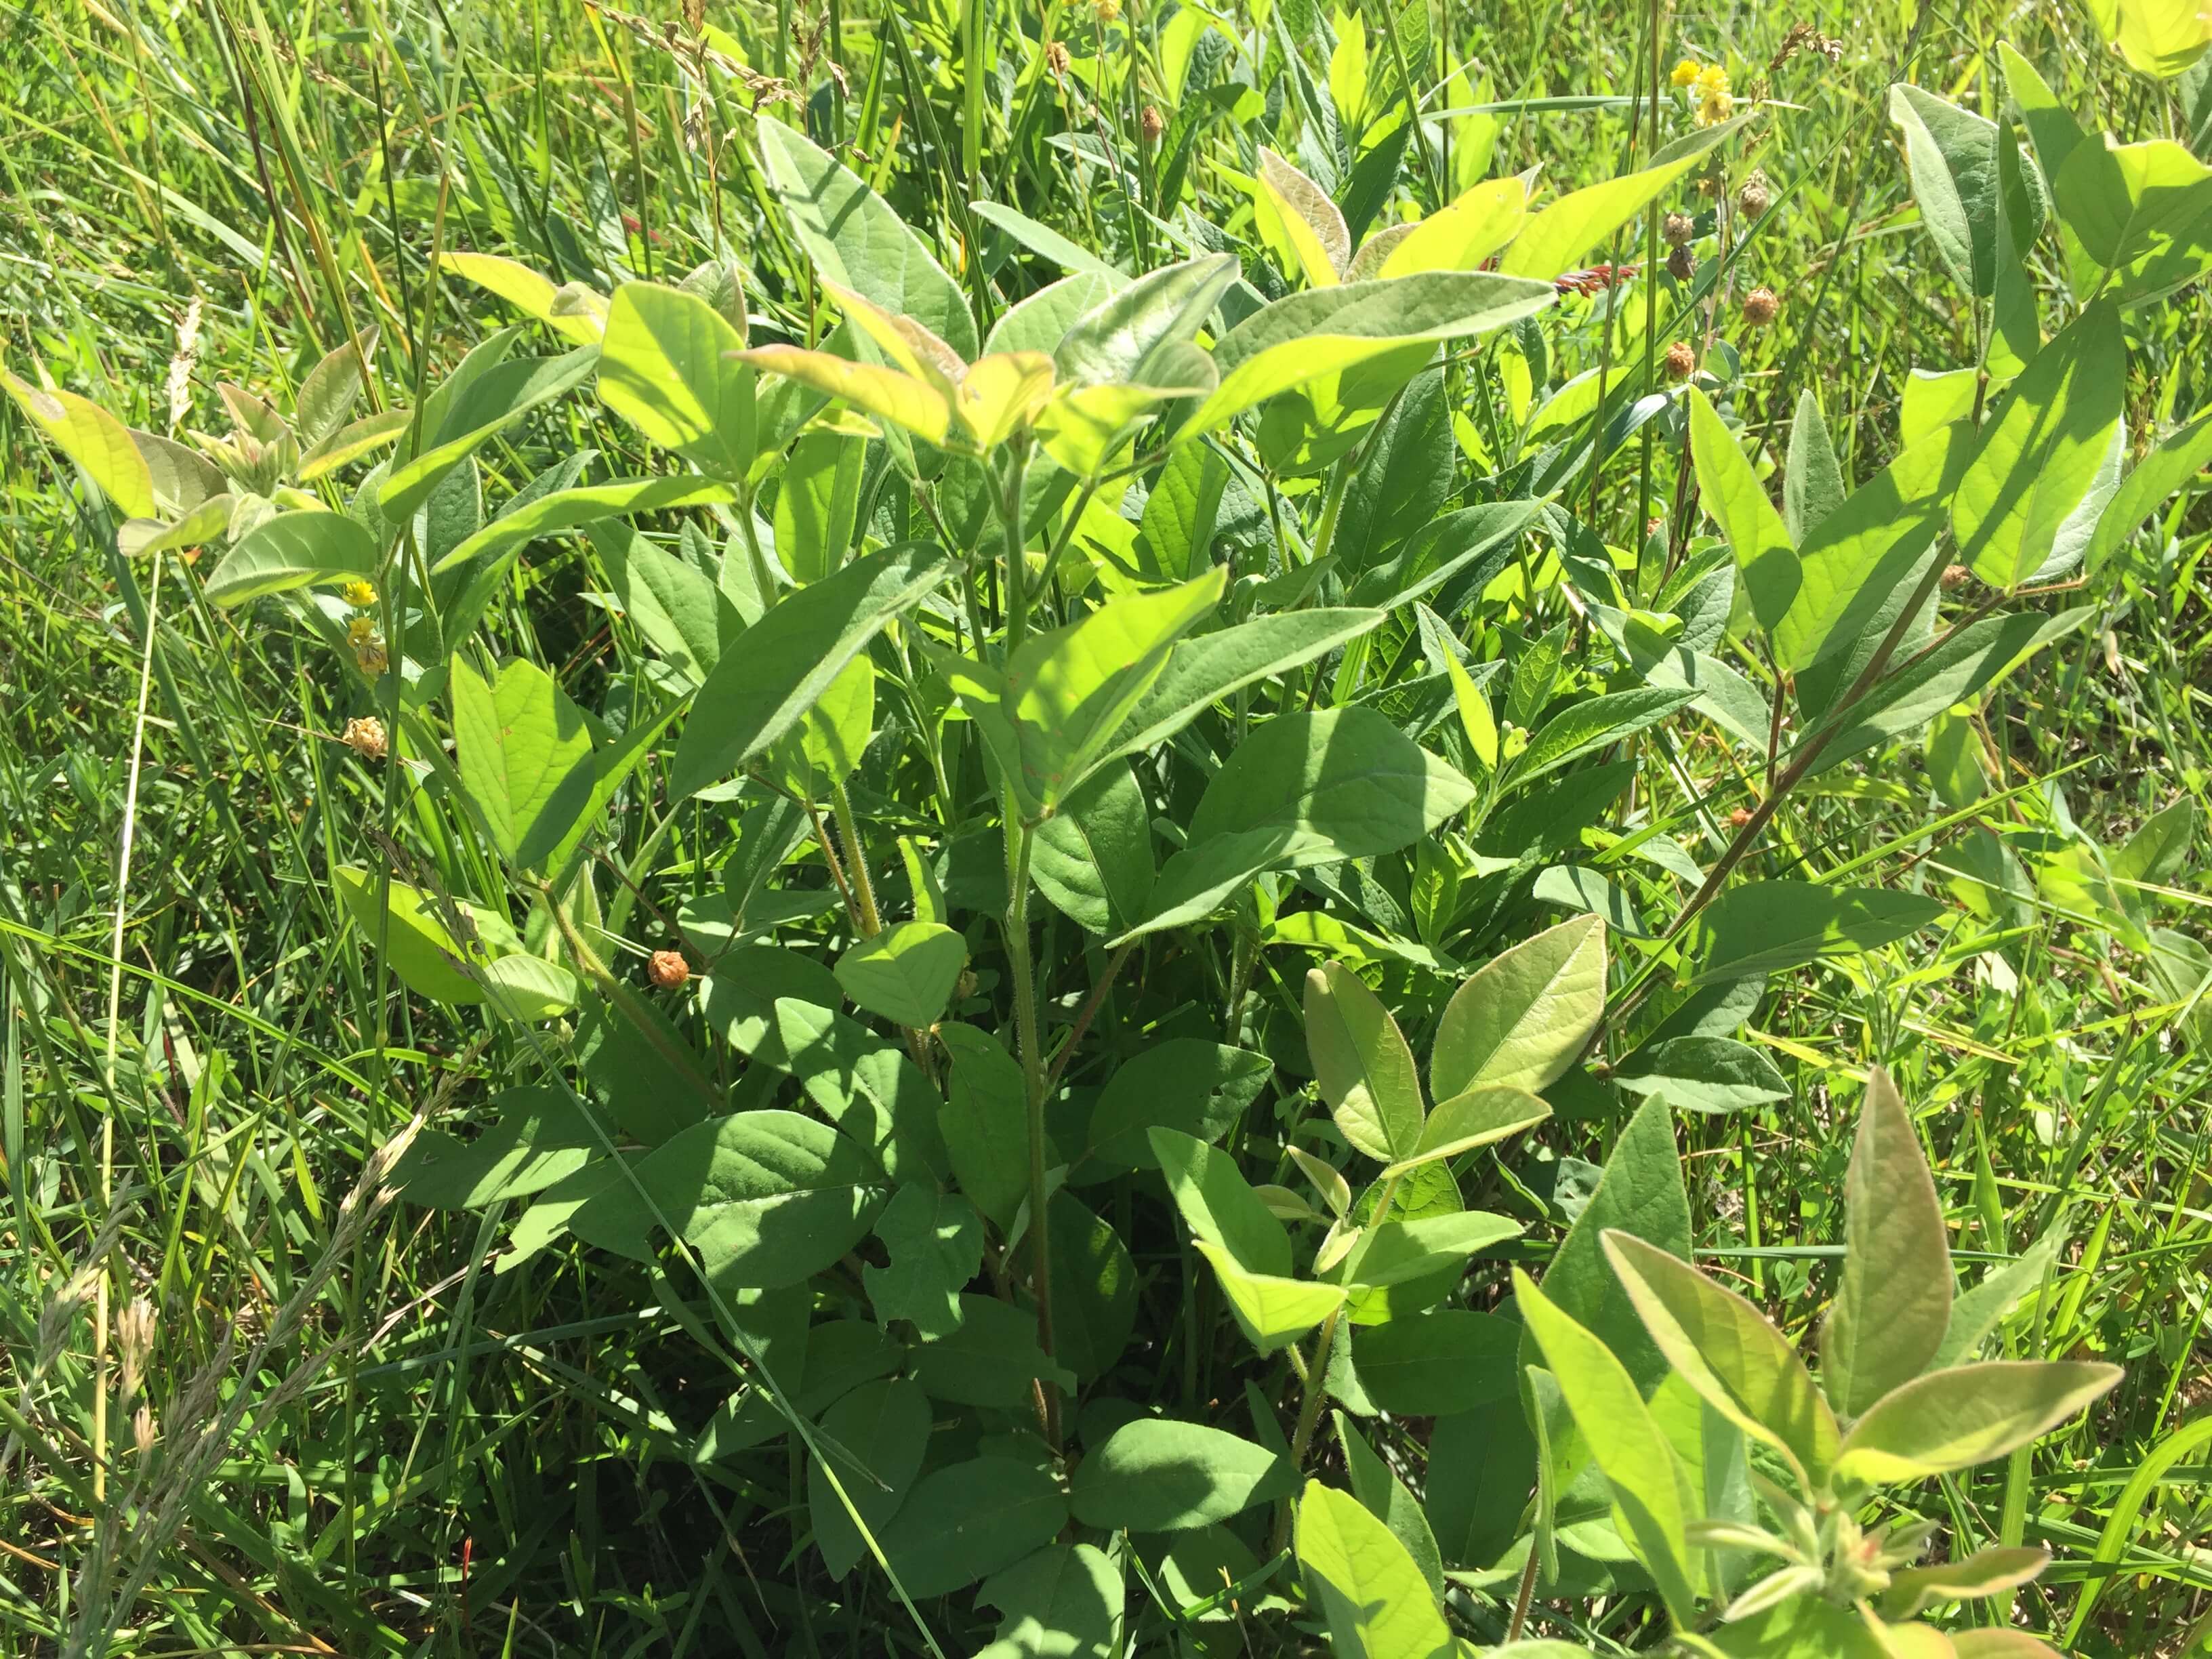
{"x":2134,"y":209}
{"x":874,"y":1438}
{"x":1361,"y":1061}
{"x":1401,"y":1251}
{"x":992,"y":1359}
{"x":1203,"y":671}
{"x":1154,"y":1474}
{"x":856,"y":240}
{"x":1813,"y":481}
{"x":1976,"y":1315}
{"x":416,"y":944}
{"x":1378,"y":1605}
{"x":94,"y":439}
{"x":523,"y":289}
{"x":1952,"y":155}
{"x":936,"y":1245}
{"x":1219,"y":1205}
{"x":1753,"y":529}
{"x":1064,"y":1602}
{"x":1186,"y":1084}
{"x":1564,"y":235}
{"x":1522,"y":1017}
{"x":1094,"y":1288}
{"x":1596,"y":723}
{"x":1805,"y":1627}
{"x":1327,"y":330}
{"x":1970,"y":1414}
{"x":1050,"y":716}
{"x":1648,"y":1488}
{"x":542,"y":1137}
{"x":2170,"y":468}
{"x":673,"y":603}
{"x":665,"y":367}
{"x":524,"y":756}
{"x":567,"y":509}
{"x":985,"y":1120}
{"x":2040,"y":453}
{"x":906,"y":973}
{"x":1386,"y":1497}
{"x":1476,"y":1117}
{"x":969,"y":1520}
{"x":486,"y":406}
{"x":289,"y":551}
{"x":1766,"y":927}
{"x":1482,"y":1469}
{"x":780,"y":665}
{"x":1304,"y":789}
{"x":1434,"y":1364}
{"x":1703,"y":1074}
{"x":1296,"y":218}
{"x":766,"y":1198}
{"x":1044,"y":240}
{"x":1137,"y":336}
{"x":1893,"y":1303}
{"x":1272,"y":1311}
{"x":1985,"y":1572}
{"x":817,"y":499}
{"x":1724,"y":1348}
{"x":1093,"y":859}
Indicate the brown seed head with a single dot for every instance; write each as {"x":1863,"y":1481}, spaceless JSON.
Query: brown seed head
{"x":1151,"y":124}
{"x":1755,"y":196}
{"x":1956,"y":576}
{"x":1678,"y":229}
{"x":1760,"y":307}
{"x":668,"y":970}
{"x":1681,"y":266}
{"x":1739,"y":817}
{"x":1055,"y":56}
{"x":1681,"y":361}
{"x":365,"y":736}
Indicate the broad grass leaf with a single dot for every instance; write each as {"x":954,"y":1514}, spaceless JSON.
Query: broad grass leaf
{"x":780,"y":664}
{"x":94,"y":439}
{"x":524,"y":755}
{"x":293,"y":549}
{"x":1045,"y":240}
{"x":856,"y":240}
{"x":1155,"y":1475}
{"x":1893,"y":1303}
{"x":1754,"y":530}
{"x":935,"y":1242}
{"x":1303,"y":789}
{"x":1431,"y":1364}
{"x":1190,"y":1084}
{"x":1093,"y":859}
{"x":1206,"y":668}
{"x":1952,"y":155}
{"x":1376,"y":1601}
{"x":420,"y":948}
{"x":1970,"y":1414}
{"x":1560,"y":237}
{"x":874,"y":1439}
{"x":490,"y":403}
{"x":906,"y":973}
{"x":1724,"y":1348}
{"x":1363,"y":1065}
{"x":969,"y":1520}
{"x":569,"y":509}
{"x":2038,"y":457}
{"x":1767,"y":927}
{"x":1520,"y":1019}
{"x":1650,"y":1490}
{"x":1475,"y":1117}
{"x":1064,"y":1602}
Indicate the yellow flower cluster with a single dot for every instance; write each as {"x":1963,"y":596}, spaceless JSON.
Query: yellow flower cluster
{"x":1712,"y":101}
{"x":359,"y":594}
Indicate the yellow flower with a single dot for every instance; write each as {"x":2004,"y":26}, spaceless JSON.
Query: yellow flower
{"x":1685,"y":72}
{"x":360,"y":631}
{"x":359,"y":594}
{"x":1714,"y":105}
{"x":1711,"y":79}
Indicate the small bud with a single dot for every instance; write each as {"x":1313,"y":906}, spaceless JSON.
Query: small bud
{"x":1681,"y":361}
{"x":668,"y":970}
{"x":1110,"y":11}
{"x":1760,"y":307}
{"x":364,"y":735}
{"x":1150,"y":123}
{"x":1681,"y":266}
{"x":1056,"y":57}
{"x":1653,"y":526}
{"x":1755,"y":196}
{"x":1678,"y":229}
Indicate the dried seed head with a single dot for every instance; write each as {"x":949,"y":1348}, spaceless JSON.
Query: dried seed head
{"x":1681,"y":361}
{"x":1681,"y":266}
{"x":1760,"y":307}
{"x":134,"y":1345}
{"x":1956,"y":576}
{"x":1055,"y":56}
{"x":1739,"y":817}
{"x":1755,"y":195}
{"x":1151,"y":124}
{"x":668,"y":970}
{"x":143,"y":1431}
{"x":364,"y":735}
{"x":371,"y":659}
{"x":1678,"y":229}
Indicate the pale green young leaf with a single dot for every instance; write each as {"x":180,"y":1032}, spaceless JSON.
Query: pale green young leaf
{"x":2161,"y":38}
{"x":1463,"y":233}
{"x":1361,"y":1061}
{"x":569,"y":509}
{"x":490,"y":403}
{"x":204,"y":522}
{"x":1975,"y":1314}
{"x":1155,"y":1475}
{"x":1486,"y":1113}
{"x":1219,"y":1205}
{"x":1985,"y":1572}
{"x":1387,"y":1499}
{"x":817,"y":499}
{"x":1724,"y":1348}
{"x":1952,"y":155}
{"x":1272,"y":1311}
{"x":524,"y":754}
{"x":1753,"y":529}
{"x":1967,"y":1415}
{"x":94,"y":439}
{"x":527,"y":989}
{"x":1378,"y":1605}
{"x":525,"y":289}
{"x":906,"y":973}
{"x":1556,"y":239}
{"x":1398,"y":1251}
{"x":2000,"y":1642}
{"x":1520,"y":1019}
{"x":908,"y":402}
{"x":1297,"y":217}
{"x":417,"y":945}
{"x":1893,"y":1303}
{"x":293,"y":549}
{"x":1648,"y":1489}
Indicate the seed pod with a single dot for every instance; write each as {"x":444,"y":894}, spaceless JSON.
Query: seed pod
{"x":1760,"y":307}
{"x":1681,"y":361}
{"x":668,"y":970}
{"x":1678,"y":229}
{"x":1151,"y":124}
{"x":1681,"y":266}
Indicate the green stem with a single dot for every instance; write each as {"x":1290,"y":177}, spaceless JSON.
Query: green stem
{"x":1020,"y":841}
{"x":856,"y":861}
